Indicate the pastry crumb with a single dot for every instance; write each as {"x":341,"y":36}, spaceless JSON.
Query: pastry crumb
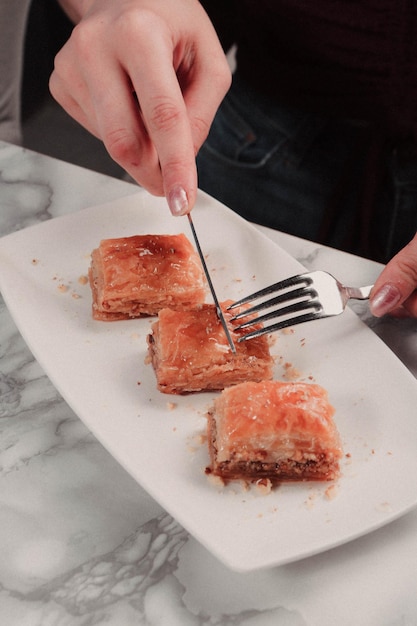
{"x":291,"y":372}
{"x":62,"y":288}
{"x":272,"y":339}
{"x":331,"y":492}
{"x":200,"y":440}
{"x":309,"y":503}
{"x":171,"y":406}
{"x":384,"y":507}
{"x":35,"y":261}
{"x":83,"y":280}
{"x":214,"y":480}
{"x":348,"y":458}
{"x":264,"y":486}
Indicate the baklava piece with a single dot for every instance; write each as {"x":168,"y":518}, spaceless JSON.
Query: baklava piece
{"x":189,"y":352}
{"x":140,"y":275}
{"x":273,"y":430}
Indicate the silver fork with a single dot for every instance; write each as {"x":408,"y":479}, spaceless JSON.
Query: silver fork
{"x":301,"y":298}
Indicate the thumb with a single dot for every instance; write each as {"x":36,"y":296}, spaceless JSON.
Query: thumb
{"x":396,"y":285}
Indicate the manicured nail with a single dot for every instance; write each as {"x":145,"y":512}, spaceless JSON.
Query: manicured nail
{"x":385,"y":300}
{"x":178,"y":201}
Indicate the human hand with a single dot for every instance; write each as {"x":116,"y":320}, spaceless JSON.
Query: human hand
{"x":146,"y":77}
{"x":395,"y":290}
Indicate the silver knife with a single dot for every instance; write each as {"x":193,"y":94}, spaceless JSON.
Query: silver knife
{"x":213,"y":292}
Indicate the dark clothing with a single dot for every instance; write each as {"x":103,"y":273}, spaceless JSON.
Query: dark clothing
{"x":319,"y":178}
{"x":347,"y":58}
{"x":340,"y":78}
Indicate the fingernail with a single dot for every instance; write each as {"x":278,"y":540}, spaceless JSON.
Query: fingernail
{"x":178,"y":201}
{"x":385,"y":300}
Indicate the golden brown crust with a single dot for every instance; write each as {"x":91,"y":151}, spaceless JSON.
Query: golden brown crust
{"x":315,"y":455}
{"x":189,"y":353}
{"x":136,"y":276}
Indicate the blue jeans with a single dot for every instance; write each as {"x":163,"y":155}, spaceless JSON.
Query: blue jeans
{"x":322,"y":179}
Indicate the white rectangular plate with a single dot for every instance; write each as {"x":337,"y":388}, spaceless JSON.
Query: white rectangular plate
{"x":100,"y":370}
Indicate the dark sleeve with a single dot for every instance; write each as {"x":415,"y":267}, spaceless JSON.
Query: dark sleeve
{"x":223,"y":15}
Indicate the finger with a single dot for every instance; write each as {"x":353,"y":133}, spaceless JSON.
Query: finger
{"x":124,"y":134}
{"x":204,"y":83}
{"x":410,"y":305}
{"x":103,"y":103}
{"x":397,"y":283}
{"x":59,"y":91}
{"x":167,"y":123}
{"x":202,"y":101}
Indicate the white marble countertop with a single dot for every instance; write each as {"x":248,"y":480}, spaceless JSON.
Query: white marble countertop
{"x":82,"y":544}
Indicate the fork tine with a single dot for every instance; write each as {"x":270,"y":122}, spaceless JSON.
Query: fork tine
{"x":303,"y":298}
{"x":294,"y":294}
{"x":308,"y":317}
{"x":286,"y":310}
{"x":283,"y":284}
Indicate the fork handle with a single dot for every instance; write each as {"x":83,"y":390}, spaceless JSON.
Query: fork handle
{"x":359,"y":293}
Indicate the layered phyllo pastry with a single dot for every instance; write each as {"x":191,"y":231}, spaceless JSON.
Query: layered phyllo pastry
{"x":140,"y":275}
{"x":273,"y":430}
{"x":189,"y":352}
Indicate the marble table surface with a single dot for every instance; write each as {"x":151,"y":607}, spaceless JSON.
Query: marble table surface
{"x":82,"y":544}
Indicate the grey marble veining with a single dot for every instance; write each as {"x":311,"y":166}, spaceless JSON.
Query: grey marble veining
{"x":82,"y":544}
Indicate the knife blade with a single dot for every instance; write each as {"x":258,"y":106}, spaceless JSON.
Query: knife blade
{"x":210,"y":284}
